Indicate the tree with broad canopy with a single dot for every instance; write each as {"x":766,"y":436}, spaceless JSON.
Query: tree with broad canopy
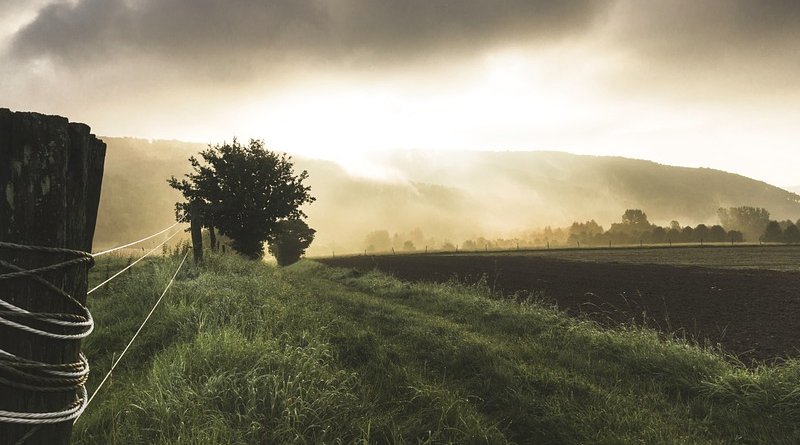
{"x":245,"y":191}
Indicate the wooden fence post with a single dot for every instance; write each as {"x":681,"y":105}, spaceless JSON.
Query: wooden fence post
{"x":50,"y":176}
{"x":212,"y":237}
{"x":197,"y":234}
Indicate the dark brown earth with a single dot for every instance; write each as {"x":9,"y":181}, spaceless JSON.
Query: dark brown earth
{"x":754,"y":314}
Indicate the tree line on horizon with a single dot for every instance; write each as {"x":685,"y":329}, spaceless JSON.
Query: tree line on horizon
{"x":736,"y":225}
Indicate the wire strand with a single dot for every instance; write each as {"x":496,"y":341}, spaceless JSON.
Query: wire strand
{"x":138,"y":241}
{"x":83,"y":323}
{"x":132,"y":264}
{"x":116,"y":362}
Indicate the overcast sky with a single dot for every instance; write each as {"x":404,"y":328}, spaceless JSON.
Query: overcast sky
{"x":711,"y":83}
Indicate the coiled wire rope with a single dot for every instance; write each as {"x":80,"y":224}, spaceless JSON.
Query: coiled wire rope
{"x":36,"y":376}
{"x":33,"y":375}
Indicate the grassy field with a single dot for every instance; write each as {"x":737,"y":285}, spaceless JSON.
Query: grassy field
{"x":245,"y":353}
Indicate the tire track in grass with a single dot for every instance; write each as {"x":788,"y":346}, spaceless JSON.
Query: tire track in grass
{"x":504,"y":376}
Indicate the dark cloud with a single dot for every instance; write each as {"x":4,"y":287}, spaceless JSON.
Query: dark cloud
{"x":709,"y":28}
{"x":731,"y":48}
{"x":210,"y":33}
{"x":678,"y":42}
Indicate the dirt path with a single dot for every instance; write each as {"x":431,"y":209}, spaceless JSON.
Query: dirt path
{"x":752,"y":313}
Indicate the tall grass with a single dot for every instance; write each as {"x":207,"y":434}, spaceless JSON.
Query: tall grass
{"x":245,"y":353}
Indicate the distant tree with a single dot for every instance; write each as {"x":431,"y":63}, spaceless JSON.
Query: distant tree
{"x":378,"y":241}
{"x":417,"y":236}
{"x":791,"y":235}
{"x":735,"y":236}
{"x":687,"y":235}
{"x":751,"y":221}
{"x":785,"y":224}
{"x":633,"y":228}
{"x":290,"y":240}
{"x":658,"y":236}
{"x":716,"y":234}
{"x":587,"y":228}
{"x":247,"y":190}
{"x":635,"y":217}
{"x":409,"y":246}
{"x":701,"y":233}
{"x":773,"y":233}
{"x":674,"y":225}
{"x":674,"y":235}
{"x":585,"y":233}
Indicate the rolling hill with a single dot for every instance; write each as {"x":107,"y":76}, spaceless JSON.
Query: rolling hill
{"x":446,"y":196}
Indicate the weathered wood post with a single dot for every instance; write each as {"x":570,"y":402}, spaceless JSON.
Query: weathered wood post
{"x":197,"y":234}
{"x":50,"y":176}
{"x":212,"y":236}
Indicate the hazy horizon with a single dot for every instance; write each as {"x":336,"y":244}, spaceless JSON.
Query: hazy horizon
{"x":689,"y":83}
{"x":434,"y":197}
{"x":365,"y":164}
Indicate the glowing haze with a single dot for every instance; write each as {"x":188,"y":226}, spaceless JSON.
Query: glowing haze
{"x":687,"y":82}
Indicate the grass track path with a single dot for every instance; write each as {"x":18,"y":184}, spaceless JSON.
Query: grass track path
{"x":494,"y":357}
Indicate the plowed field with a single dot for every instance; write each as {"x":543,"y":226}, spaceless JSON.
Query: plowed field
{"x":752,"y":313}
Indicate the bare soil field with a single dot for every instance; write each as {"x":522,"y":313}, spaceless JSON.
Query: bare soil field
{"x":768,"y":256}
{"x":753,"y":313}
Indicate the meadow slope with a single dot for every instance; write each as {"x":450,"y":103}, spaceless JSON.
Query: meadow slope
{"x":245,"y":353}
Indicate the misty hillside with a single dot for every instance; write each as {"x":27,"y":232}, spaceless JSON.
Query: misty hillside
{"x":580,"y":187}
{"x":449,"y":196}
